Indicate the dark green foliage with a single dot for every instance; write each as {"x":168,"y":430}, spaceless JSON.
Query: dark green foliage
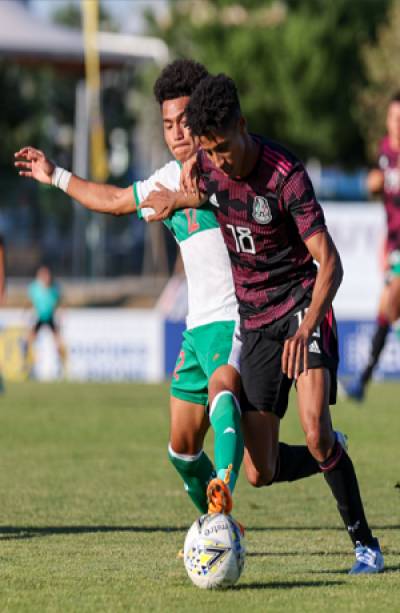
{"x":297,"y":64}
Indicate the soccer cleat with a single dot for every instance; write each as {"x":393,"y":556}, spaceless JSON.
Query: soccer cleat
{"x":355,"y":390}
{"x":219,"y":495}
{"x":369,"y":560}
{"x":342,"y":439}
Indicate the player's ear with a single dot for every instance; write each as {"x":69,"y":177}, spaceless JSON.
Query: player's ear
{"x":242,"y":124}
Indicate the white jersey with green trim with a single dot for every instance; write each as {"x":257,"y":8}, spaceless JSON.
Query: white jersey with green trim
{"x":211,"y":293}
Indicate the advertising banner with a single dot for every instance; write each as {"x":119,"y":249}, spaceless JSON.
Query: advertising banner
{"x":100,"y":345}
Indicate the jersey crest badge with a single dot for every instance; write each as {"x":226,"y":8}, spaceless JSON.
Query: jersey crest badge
{"x":261,"y":210}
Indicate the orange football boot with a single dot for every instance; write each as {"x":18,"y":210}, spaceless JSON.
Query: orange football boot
{"x":219,"y":495}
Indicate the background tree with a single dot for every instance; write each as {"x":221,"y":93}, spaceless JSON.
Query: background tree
{"x":382,"y":67}
{"x":297,"y":64}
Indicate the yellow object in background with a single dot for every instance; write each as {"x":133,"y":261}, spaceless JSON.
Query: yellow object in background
{"x":98,"y":157}
{"x":15,"y":363}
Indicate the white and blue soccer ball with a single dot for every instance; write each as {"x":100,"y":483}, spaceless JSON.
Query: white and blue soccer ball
{"x":214,"y":551}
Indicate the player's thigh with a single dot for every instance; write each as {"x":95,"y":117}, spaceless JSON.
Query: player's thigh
{"x":313,"y":393}
{"x":188,"y":426}
{"x":224,"y":378}
{"x":261,"y":439}
{"x":218,"y":349}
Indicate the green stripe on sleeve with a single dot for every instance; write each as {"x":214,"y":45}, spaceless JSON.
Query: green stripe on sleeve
{"x":137,"y":200}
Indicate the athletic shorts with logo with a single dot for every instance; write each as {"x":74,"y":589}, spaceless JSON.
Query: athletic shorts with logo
{"x":264,"y":386}
{"x":203,"y":350}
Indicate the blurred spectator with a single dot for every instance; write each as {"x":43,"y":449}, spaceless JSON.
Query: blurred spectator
{"x":45,"y":297}
{"x":385,"y":180}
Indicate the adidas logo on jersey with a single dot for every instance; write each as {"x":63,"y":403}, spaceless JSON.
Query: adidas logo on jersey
{"x":213,"y":200}
{"x":313,"y":347}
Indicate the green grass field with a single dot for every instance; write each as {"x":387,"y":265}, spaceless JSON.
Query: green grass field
{"x":92,"y":514}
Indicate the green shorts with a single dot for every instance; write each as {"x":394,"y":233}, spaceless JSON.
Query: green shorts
{"x":394,"y":260}
{"x":203,"y":350}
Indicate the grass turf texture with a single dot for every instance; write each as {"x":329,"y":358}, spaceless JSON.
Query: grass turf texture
{"x":92,"y":513}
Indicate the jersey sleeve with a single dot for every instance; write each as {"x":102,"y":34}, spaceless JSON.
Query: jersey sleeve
{"x":168,"y":176}
{"x":297,"y":197}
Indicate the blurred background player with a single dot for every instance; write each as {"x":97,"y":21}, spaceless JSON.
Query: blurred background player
{"x":45,"y":296}
{"x":385,"y":180}
{"x":2,"y":289}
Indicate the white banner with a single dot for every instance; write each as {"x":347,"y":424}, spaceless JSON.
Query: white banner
{"x":101,"y":345}
{"x":359,"y":232}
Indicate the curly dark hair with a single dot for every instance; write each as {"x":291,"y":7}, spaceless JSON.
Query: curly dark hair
{"x":180,"y":78}
{"x":213,"y":107}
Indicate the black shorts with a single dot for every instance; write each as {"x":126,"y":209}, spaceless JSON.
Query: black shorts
{"x":264,"y":386}
{"x":45,"y":322}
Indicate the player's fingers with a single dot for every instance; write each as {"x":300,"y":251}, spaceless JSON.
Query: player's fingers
{"x":25,"y":173}
{"x":297,"y":360}
{"x":291,"y":360}
{"x":21,"y":164}
{"x":305,"y":358}
{"x":155,"y":217}
{"x":284,"y":360}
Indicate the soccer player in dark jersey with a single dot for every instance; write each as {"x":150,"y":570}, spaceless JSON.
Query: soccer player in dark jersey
{"x":385,"y":180}
{"x":274,"y":229}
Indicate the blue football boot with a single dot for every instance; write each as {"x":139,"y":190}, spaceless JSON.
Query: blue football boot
{"x":355,"y":390}
{"x":368,"y":559}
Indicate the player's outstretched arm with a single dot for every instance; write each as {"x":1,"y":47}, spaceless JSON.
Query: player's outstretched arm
{"x":164,"y":202}
{"x":102,"y":198}
{"x":328,"y":280}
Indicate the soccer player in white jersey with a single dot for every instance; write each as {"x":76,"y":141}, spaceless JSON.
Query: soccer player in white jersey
{"x":207,"y":368}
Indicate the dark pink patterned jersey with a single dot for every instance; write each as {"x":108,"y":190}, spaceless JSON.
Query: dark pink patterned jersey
{"x":389,"y":163}
{"x":265,"y":219}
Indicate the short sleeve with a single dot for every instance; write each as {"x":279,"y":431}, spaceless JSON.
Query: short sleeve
{"x":297,"y":197}
{"x":168,"y":175}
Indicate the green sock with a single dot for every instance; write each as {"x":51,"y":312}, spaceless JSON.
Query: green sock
{"x":225,"y":420}
{"x":196,"y":472}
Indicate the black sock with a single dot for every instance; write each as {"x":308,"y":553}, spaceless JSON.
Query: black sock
{"x":340,"y":475}
{"x":294,"y":462}
{"x":378,"y":343}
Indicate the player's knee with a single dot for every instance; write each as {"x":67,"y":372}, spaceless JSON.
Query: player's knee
{"x":259,"y":478}
{"x":318,"y":441}
{"x":184,"y":447}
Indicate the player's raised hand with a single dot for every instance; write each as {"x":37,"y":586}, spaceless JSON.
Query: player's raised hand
{"x":295,"y":354}
{"x":162,"y":201}
{"x":189,"y":176}
{"x":33,"y":163}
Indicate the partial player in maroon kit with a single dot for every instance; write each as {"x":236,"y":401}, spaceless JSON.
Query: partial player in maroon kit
{"x":274,"y":228}
{"x":385,"y":180}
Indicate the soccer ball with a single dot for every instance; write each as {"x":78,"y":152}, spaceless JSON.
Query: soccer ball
{"x":214,"y":551}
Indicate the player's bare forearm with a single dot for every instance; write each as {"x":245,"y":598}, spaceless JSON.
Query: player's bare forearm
{"x":329,"y":278}
{"x":34,"y":164}
{"x":102,"y":198}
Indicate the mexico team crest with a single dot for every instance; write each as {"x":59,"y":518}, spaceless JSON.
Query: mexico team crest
{"x":261,"y":210}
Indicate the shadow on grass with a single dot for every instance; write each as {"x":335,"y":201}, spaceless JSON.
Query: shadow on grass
{"x":337,"y":528}
{"x":388,"y":570}
{"x":284,"y":585}
{"x":26,"y":532}
{"x":278,"y":554}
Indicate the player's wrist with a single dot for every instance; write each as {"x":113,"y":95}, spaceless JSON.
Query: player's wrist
{"x":60,"y":178}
